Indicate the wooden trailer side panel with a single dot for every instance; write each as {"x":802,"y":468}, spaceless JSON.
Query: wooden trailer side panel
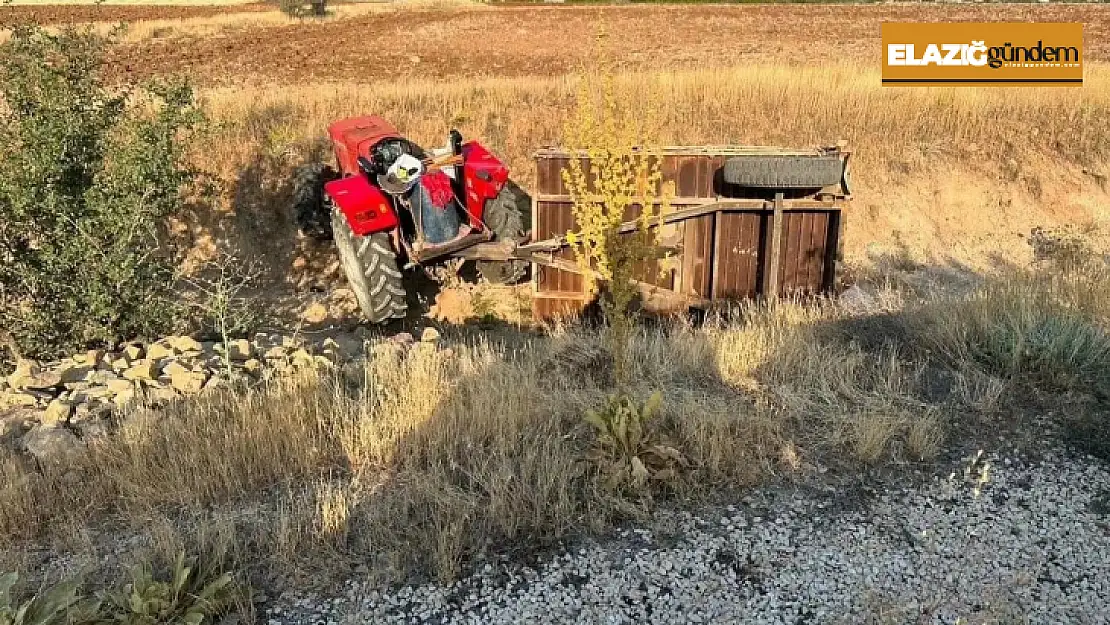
{"x":723,"y":255}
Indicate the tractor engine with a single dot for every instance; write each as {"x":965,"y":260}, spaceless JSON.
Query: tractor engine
{"x":390,"y":205}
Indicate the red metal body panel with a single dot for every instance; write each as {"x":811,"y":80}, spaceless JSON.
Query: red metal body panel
{"x":483,"y":177}
{"x":365,"y":206}
{"x":353,"y":137}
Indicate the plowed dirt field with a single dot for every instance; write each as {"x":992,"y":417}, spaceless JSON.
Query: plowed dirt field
{"x":76,"y":13}
{"x":545,"y":41}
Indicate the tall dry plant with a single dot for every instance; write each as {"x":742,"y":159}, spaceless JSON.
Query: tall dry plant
{"x":616,"y":180}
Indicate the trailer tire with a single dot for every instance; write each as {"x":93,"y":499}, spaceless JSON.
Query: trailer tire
{"x":784,"y":172}
{"x":509,"y":216}
{"x":370,"y":264}
{"x":311,"y":207}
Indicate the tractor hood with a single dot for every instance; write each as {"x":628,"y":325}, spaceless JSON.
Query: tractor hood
{"x":353,"y":137}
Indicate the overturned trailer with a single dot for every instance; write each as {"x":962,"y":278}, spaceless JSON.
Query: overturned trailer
{"x":744,"y":222}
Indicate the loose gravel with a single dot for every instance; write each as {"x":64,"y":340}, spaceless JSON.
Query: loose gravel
{"x":1002,"y":540}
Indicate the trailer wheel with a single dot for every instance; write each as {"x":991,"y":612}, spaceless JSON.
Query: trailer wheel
{"x":310,"y":204}
{"x":371,"y":267}
{"x":784,"y":172}
{"x":509,"y":216}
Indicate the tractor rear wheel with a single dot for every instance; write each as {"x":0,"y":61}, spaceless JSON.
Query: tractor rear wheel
{"x":310,"y":204}
{"x":509,"y":216}
{"x":371,"y":267}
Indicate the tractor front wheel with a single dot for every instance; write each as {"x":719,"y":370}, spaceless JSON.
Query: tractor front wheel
{"x":371,"y":267}
{"x":310,"y":203}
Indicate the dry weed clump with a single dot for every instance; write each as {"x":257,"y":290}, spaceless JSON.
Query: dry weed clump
{"x":1043,"y":326}
{"x":424,"y":459}
{"x":420,"y":460}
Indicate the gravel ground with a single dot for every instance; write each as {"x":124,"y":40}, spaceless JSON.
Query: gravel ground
{"x":1001,"y":541}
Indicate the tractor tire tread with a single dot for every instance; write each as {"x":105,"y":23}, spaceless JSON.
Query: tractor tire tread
{"x":509,"y":216}
{"x":783,"y":171}
{"x":311,"y":206}
{"x":371,"y":268}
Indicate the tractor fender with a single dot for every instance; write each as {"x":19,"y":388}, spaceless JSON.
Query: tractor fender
{"x":366,"y":208}
{"x":484,"y":175}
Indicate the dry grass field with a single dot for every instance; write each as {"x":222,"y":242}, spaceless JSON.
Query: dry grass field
{"x":419,"y":463}
{"x":958,"y":175}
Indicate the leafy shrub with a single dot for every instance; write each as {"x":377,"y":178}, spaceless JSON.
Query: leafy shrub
{"x":190,"y":596}
{"x":626,"y":444}
{"x":57,"y":605}
{"x":621,"y":177}
{"x":88,"y":174}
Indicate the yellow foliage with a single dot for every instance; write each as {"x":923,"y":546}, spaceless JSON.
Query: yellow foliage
{"x":616,"y":180}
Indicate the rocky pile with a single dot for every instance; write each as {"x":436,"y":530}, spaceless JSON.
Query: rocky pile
{"x":47,"y":410}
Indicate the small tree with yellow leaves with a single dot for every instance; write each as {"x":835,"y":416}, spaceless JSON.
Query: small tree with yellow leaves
{"x":613,"y":178}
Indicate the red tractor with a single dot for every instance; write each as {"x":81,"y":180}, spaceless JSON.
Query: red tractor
{"x":391,"y":205}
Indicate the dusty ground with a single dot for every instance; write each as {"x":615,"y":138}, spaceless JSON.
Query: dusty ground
{"x":544,"y":41}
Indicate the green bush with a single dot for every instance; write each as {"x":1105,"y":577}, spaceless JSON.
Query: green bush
{"x":191,"y":596}
{"x":89,"y":171}
{"x":57,"y":605}
{"x":187,"y":594}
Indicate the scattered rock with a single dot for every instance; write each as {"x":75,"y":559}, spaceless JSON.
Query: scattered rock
{"x":252,"y":366}
{"x":91,"y":357}
{"x":74,"y":372}
{"x":429,"y":335}
{"x":80,"y":393}
{"x":101,"y":376}
{"x":10,"y":399}
{"x":52,"y":444}
{"x":89,"y":411}
{"x":142,"y":370}
{"x":188,"y":381}
{"x":57,"y":413}
{"x":28,"y":375}
{"x":176,"y":368}
{"x":277,"y":352}
{"x":239,"y":350}
{"x":118,"y":385}
{"x":159,"y":351}
{"x":315,"y":313}
{"x":184,"y":344}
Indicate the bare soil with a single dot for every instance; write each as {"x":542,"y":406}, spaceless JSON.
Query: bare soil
{"x":71,"y":14}
{"x":546,"y":41}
